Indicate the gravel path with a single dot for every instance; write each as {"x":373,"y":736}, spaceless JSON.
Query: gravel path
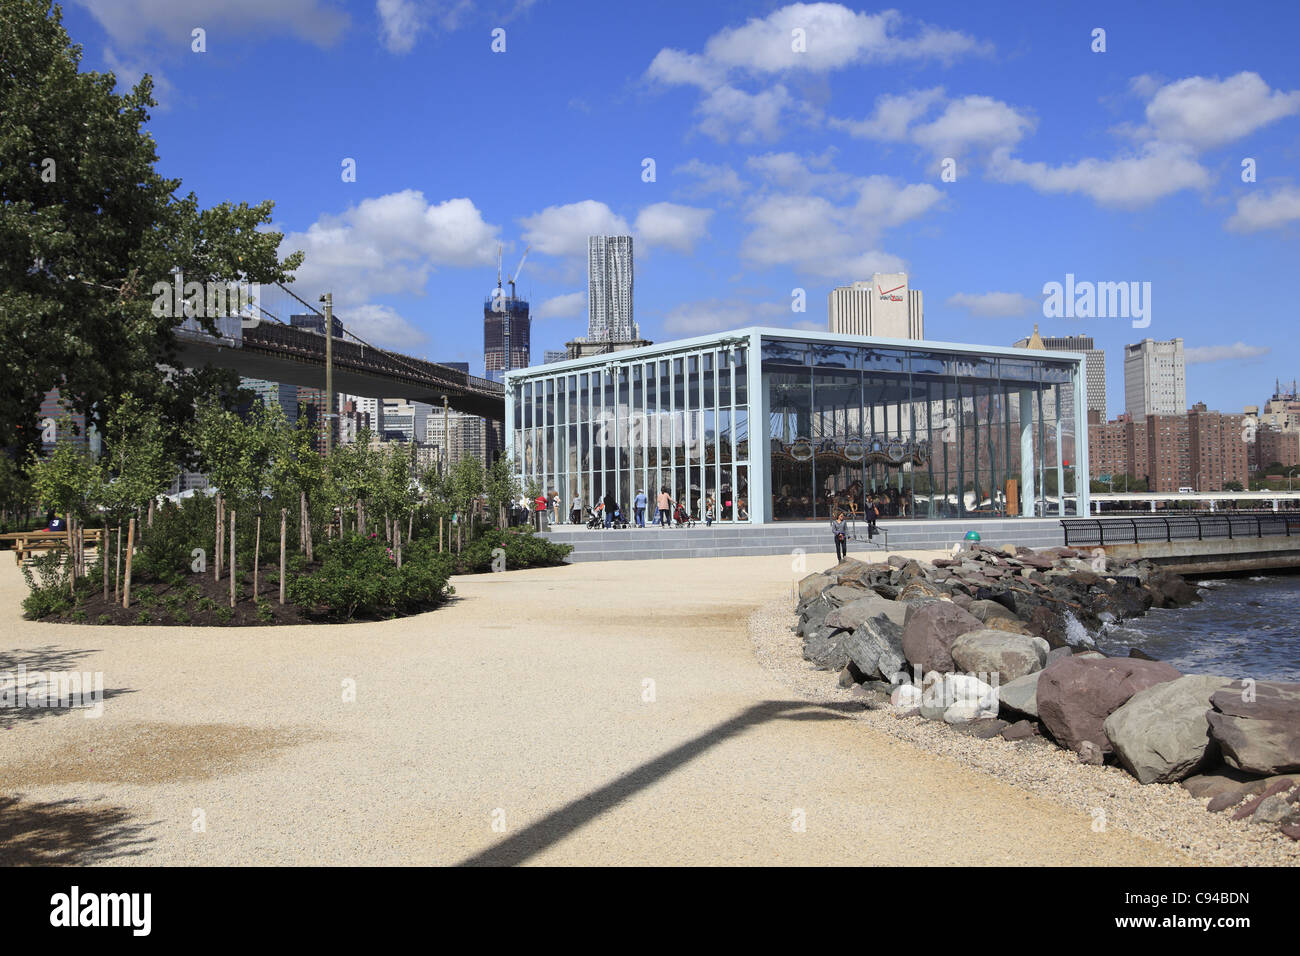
{"x":518,"y":724}
{"x":1163,"y":813}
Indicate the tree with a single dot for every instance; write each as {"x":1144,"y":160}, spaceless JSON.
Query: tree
{"x":502,"y":488}
{"x":87,"y":226}
{"x":66,"y":480}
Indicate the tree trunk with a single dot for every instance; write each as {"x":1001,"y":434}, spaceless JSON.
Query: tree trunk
{"x":257,"y":553}
{"x":117,"y":570}
{"x":149,"y":522}
{"x":340,"y":521}
{"x":220,"y":537}
{"x":103,"y":558}
{"x":232,"y":557}
{"x":361,"y":519}
{"x":284,"y":518}
{"x":130,"y":546}
{"x":306,"y":511}
{"x":440,"y":534}
{"x":72,"y":555}
{"x":302,"y":522}
{"x":397,"y":535}
{"x":410,"y":525}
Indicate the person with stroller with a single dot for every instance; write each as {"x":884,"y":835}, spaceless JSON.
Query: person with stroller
{"x":840,"y":529}
{"x":575,"y":510}
{"x":665,"y":503}
{"x":610,"y":507}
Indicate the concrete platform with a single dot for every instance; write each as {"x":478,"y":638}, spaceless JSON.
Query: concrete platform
{"x":635,"y":544}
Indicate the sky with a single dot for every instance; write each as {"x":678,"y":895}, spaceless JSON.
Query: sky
{"x":753,"y":151}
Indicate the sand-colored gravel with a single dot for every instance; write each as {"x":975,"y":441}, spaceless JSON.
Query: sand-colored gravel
{"x":516,"y":725}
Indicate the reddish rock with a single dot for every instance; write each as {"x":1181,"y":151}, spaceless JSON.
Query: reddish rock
{"x":1281,"y":786}
{"x":1223,"y":801}
{"x":1076,"y":694}
{"x":1291,"y":829}
{"x":1258,"y":727}
{"x":930,"y":632}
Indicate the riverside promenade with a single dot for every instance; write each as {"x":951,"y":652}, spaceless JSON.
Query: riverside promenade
{"x":603,"y":713}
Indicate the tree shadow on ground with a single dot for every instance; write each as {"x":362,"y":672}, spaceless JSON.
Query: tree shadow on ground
{"x":66,"y":833}
{"x":554,"y":827}
{"x":43,"y":659}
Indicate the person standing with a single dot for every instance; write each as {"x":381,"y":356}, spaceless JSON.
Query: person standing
{"x":708,"y":513}
{"x":840,"y":529}
{"x":871,"y":514}
{"x":665,"y":503}
{"x":555,"y":505}
{"x":609,"y":509}
{"x":575,"y":510}
{"x":541,"y":511}
{"x":640,"y":505}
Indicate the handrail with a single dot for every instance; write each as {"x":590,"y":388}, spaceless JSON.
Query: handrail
{"x":1083,"y":532}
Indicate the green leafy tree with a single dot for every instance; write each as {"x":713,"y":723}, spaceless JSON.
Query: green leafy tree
{"x":502,"y":488}
{"x":87,"y":227}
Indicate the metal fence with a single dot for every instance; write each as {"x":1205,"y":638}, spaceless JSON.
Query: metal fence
{"x":1084,"y":532}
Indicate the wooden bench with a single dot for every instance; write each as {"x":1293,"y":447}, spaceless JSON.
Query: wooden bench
{"x":25,"y":543}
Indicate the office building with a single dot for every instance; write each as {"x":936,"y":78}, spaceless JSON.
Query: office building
{"x":784,"y":425}
{"x":315,"y":323}
{"x":507,"y":334}
{"x":609,"y":289}
{"x":1155,"y":379}
{"x":884,"y":307}
{"x":1096,"y":366}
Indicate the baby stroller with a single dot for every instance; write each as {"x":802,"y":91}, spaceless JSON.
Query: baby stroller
{"x":683,"y":518}
{"x":619,"y":520}
{"x":595,"y":519}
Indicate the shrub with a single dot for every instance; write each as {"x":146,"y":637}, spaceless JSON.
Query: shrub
{"x":522,"y":547}
{"x":104,"y":619}
{"x":47,"y":577}
{"x":357,"y":576}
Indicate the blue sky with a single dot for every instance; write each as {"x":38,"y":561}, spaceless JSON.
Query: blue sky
{"x":775,"y":168}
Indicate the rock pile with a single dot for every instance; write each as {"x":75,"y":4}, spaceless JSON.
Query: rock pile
{"x":993,"y":643}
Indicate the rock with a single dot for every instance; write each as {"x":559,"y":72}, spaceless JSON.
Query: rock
{"x":1222,"y":801}
{"x":1211,"y":783}
{"x":1161,"y":734}
{"x":929,"y":634}
{"x":1249,"y":808}
{"x":825,"y":653}
{"x":1020,"y":730}
{"x":1076,"y":694}
{"x":1012,"y":625}
{"x":881,"y":640}
{"x":851,"y":676}
{"x":941,"y":693}
{"x":1021,"y":695}
{"x":815,"y":584}
{"x":1056,"y":653}
{"x":986,"y":609}
{"x":962,"y":712}
{"x":1140,"y":655}
{"x":1272,"y":809}
{"x":920,"y":589}
{"x":865,"y":692}
{"x":1090,"y":753}
{"x":842,"y":594}
{"x":1291,"y":830}
{"x":986,"y":728}
{"x":988,"y":651}
{"x":863,"y":608}
{"x":905,"y":697}
{"x":850,"y":571}
{"x":1261,"y":735}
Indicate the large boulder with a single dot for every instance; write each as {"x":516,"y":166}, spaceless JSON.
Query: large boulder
{"x":815,"y":584}
{"x":988,"y":651}
{"x":864,"y":608}
{"x":1161,"y":734}
{"x":875,"y":647}
{"x":986,"y":609}
{"x":1258,"y":726}
{"x":842,"y":594}
{"x":1076,"y":694}
{"x":1021,"y":695}
{"x":826,"y":650}
{"x":929,"y":634}
{"x":919,"y":589}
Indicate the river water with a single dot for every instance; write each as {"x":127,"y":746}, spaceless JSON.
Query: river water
{"x":1243,"y":627}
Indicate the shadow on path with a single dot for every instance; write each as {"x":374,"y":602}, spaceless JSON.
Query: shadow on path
{"x":66,"y":832}
{"x":37,"y":661}
{"x":554,"y":827}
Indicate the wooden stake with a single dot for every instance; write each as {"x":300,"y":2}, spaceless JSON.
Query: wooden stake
{"x":257,"y":553}
{"x":232,"y":557}
{"x":117,"y":571}
{"x":440,"y":534}
{"x":72,"y":556}
{"x":103,"y":558}
{"x":220,"y":537}
{"x":130,"y":545}
{"x":284,"y":519}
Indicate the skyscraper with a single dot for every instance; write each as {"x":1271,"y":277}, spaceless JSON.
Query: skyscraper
{"x":507,"y":333}
{"x":1155,"y":379}
{"x":609,"y":289}
{"x":884,"y":307}
{"x":1096,"y":362}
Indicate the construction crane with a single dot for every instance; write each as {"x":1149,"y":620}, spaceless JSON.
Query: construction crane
{"x":517,"y":271}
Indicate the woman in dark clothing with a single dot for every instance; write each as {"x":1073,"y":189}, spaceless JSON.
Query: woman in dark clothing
{"x":610,"y":507}
{"x":872,"y":513}
{"x":840,"y":528}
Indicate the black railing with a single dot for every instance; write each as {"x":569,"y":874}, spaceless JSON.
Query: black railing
{"x":1086,"y":532}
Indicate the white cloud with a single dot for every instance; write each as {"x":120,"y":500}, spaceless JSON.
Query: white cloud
{"x":1223,"y":353}
{"x":129,"y":72}
{"x":381,"y":325}
{"x":567,"y":306}
{"x":563,"y":230}
{"x":715,"y":315}
{"x":675,"y":68}
{"x":1157,"y":171}
{"x":990,"y":305}
{"x":390,"y":244}
{"x":672,"y":226}
{"x":132,"y":23}
{"x":400,"y":23}
{"x":1256,"y":211}
{"x":1204,"y":112}
{"x":712,"y":179}
{"x":795,"y":173}
{"x":893,"y":115}
{"x":728,"y":113}
{"x":973,"y":121}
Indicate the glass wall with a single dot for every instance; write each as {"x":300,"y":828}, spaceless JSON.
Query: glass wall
{"x":677,"y":422}
{"x":922,"y":434}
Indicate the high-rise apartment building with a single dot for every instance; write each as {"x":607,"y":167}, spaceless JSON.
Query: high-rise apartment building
{"x":1155,"y":379}
{"x":883,"y":307}
{"x":1096,"y":363}
{"x":1218,"y":451}
{"x":609,"y":289}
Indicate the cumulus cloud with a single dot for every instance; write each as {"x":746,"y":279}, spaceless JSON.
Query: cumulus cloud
{"x":567,"y":306}
{"x":391,"y":244}
{"x":715,"y":315}
{"x":1223,"y":353}
{"x":563,"y":230}
{"x":132,"y":23}
{"x":969,"y":124}
{"x":893,"y":115}
{"x":383,"y":326}
{"x":1158,"y":170}
{"x":672,"y":226}
{"x":728,"y":114}
{"x":1256,"y":211}
{"x":994,"y":305}
{"x":402,"y":21}
{"x":795,"y":173}
{"x":1205,"y":111}
{"x":711,"y":178}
